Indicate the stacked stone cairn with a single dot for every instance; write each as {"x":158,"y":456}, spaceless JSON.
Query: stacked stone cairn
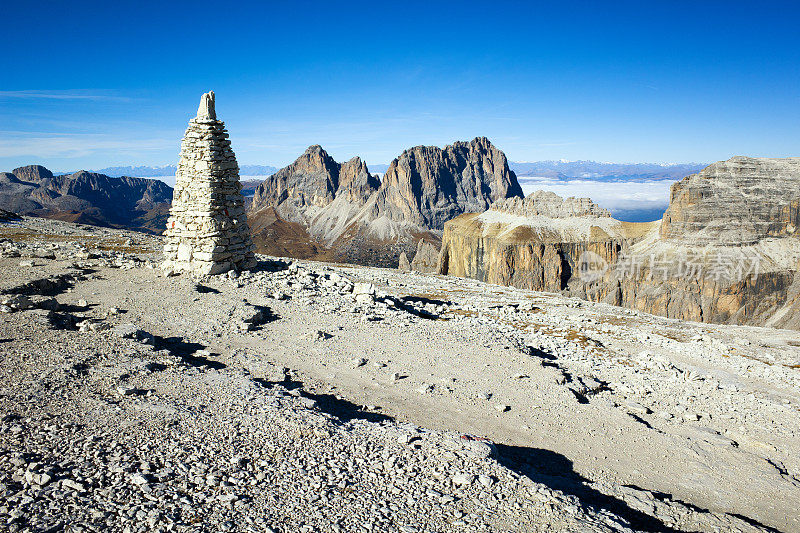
{"x":207,"y":231}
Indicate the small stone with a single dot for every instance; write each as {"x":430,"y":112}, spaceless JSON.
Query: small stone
{"x":462,"y":479}
{"x":485,"y":480}
{"x":74,"y":485}
{"x":425,"y":388}
{"x":502,"y":408}
{"x":138,"y":479}
{"x":363,"y":288}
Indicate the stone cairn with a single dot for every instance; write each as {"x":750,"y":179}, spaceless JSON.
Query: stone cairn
{"x":207,"y":231}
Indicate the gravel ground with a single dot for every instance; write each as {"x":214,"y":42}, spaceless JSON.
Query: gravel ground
{"x":317,"y":397}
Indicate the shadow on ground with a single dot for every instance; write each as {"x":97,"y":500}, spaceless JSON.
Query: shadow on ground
{"x":187,"y":351}
{"x":555,"y":471}
{"x":343,"y":410}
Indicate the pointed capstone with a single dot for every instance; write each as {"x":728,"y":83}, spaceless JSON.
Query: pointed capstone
{"x":207,"y":231}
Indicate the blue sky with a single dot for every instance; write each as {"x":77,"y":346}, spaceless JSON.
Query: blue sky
{"x":89,"y":85}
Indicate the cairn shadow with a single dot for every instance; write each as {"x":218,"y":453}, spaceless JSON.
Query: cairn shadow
{"x":556,"y":471}
{"x":409,"y":305}
{"x":187,"y":351}
{"x":342,"y":410}
{"x":265,"y":315}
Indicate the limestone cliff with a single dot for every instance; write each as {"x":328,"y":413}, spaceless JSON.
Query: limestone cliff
{"x":735,"y":202}
{"x":427,"y":186}
{"x":726,"y":250}
{"x":536,"y":243}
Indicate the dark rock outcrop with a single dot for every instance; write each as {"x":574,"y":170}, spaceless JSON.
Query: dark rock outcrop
{"x":8,"y":216}
{"x":134,"y":203}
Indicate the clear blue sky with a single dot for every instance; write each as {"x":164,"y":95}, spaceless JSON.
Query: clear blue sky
{"x":94,"y":84}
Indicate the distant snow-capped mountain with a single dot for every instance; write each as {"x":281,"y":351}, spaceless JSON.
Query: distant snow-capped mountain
{"x":169,"y":170}
{"x":593,"y":170}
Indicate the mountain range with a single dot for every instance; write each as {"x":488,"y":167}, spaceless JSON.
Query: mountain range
{"x":593,"y":170}
{"x":144,"y":171}
{"x":556,"y":169}
{"x":349,"y":215}
{"x":87,"y":197}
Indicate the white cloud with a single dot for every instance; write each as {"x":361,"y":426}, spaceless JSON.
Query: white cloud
{"x":75,"y":145}
{"x":64,"y":95}
{"x":619,"y":195}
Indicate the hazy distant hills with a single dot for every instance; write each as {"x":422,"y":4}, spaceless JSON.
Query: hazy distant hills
{"x":588,"y":170}
{"x":169,"y":170}
{"x":593,"y":170}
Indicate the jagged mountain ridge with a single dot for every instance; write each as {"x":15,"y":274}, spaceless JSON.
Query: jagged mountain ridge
{"x":360,"y":219}
{"x":87,"y":197}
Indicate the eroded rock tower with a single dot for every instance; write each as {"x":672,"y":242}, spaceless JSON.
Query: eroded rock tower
{"x":207,"y":231}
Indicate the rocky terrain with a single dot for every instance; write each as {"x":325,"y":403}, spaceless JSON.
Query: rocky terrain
{"x":351,"y":216}
{"x":307,"y":396}
{"x":726,"y":250}
{"x":87,"y":197}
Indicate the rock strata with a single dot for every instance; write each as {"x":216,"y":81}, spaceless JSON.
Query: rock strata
{"x":735,"y":202}
{"x":207,"y":232}
{"x":536,"y":243}
{"x":726,"y":250}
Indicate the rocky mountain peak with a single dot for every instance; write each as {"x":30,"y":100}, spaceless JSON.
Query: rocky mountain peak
{"x":311,"y":183}
{"x":32,"y":173}
{"x":428,"y":185}
{"x":355,"y":181}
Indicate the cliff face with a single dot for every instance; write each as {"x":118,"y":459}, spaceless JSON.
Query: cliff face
{"x":134,"y":203}
{"x":735,"y":202}
{"x":354,"y":218}
{"x":427,"y":186}
{"x":314,"y":180}
{"x":726,"y":250}
{"x":537,"y":243}
{"x":309,"y":204}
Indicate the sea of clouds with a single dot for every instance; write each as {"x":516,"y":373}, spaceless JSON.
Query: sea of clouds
{"x":632,"y":200}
